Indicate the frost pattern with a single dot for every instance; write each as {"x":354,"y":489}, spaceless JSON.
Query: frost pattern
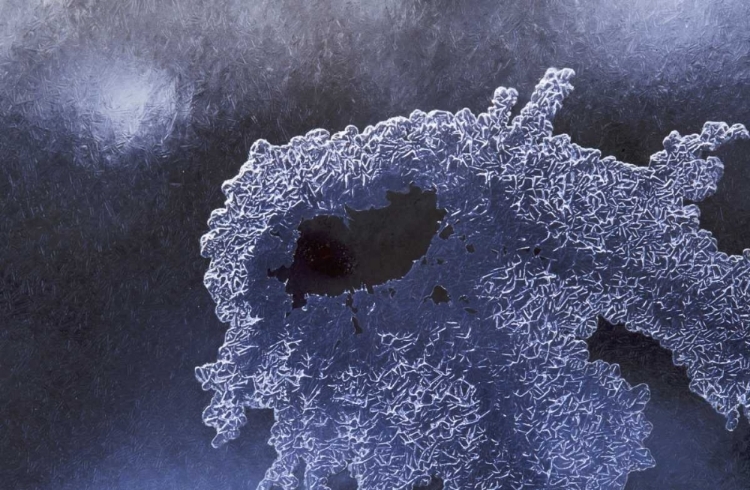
{"x":500,"y":395}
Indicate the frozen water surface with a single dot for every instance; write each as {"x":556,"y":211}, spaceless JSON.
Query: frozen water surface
{"x":467,"y":364}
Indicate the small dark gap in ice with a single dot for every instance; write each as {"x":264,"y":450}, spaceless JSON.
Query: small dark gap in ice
{"x":436,"y":483}
{"x":439,"y":295}
{"x":447,"y":232}
{"x":342,"y":481}
{"x":357,"y":328}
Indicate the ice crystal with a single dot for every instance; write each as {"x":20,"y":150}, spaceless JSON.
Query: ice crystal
{"x":490,"y":386}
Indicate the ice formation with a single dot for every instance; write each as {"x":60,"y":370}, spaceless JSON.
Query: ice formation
{"x":491,"y":388}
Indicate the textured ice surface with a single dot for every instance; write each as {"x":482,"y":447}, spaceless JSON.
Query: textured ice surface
{"x":492,"y":389}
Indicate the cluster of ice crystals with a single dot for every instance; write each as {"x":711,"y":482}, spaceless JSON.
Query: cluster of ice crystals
{"x":492,"y":389}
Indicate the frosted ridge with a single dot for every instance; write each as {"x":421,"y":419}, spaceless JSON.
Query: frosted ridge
{"x":502,"y":396}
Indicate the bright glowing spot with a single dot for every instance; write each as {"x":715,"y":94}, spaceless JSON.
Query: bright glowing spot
{"x":120,"y":102}
{"x":124,"y":104}
{"x":128,"y":101}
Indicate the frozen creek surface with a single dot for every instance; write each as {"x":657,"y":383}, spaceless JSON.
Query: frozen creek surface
{"x":464,"y":359}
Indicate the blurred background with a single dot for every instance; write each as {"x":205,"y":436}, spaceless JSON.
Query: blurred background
{"x":120,"y":119}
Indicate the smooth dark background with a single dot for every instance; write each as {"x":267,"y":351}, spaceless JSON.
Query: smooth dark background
{"x":119,"y":120}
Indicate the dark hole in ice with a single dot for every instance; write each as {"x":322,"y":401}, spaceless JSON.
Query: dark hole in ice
{"x":339,"y":481}
{"x":470,"y":248}
{"x":357,"y":329}
{"x":342,"y":481}
{"x":439,"y":295}
{"x":447,"y":232}
{"x":320,"y":249}
{"x":436,"y":483}
{"x":374,"y":246}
